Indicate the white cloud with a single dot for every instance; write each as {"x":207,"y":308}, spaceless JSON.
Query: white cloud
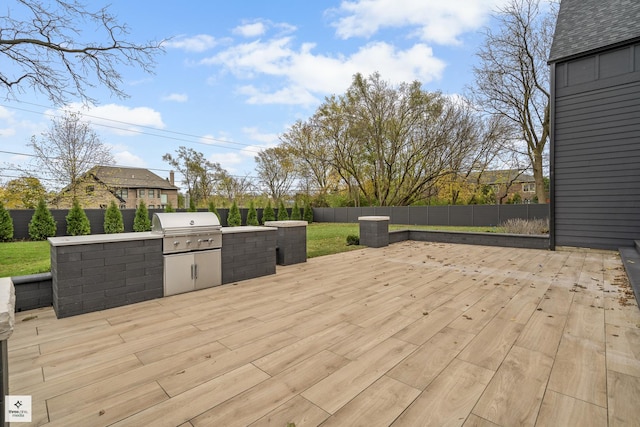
{"x":267,"y":139}
{"x":126,"y":158}
{"x":251,"y":30}
{"x":198,"y":43}
{"x":304,"y":76}
{"x":177,"y":97}
{"x":119,"y":119}
{"x":435,"y":21}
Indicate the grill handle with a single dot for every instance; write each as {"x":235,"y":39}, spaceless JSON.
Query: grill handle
{"x":195,"y":269}
{"x":192,"y":265}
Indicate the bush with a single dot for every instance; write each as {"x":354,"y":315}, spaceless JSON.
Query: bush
{"x":352,"y":239}
{"x":307,"y":215}
{"x":6,"y":225}
{"x":192,"y":205}
{"x":42,"y":224}
{"x":77,"y":221}
{"x":141,"y":222}
{"x":169,"y":208}
{"x":524,"y":226}
{"x":295,"y":212}
{"x":213,"y":209}
{"x":268,"y":214}
{"x":252,"y":215}
{"x":234,"y":219}
{"x":283,"y":215}
{"x":113,"y":222}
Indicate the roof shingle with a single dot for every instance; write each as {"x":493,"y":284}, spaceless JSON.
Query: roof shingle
{"x":587,"y":25}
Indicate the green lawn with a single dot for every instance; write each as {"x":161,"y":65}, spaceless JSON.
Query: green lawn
{"x":21,"y":258}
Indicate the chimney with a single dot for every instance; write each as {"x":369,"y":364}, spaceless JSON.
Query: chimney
{"x":171,"y":177}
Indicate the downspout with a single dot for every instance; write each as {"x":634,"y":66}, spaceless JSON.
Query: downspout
{"x":552,"y":141}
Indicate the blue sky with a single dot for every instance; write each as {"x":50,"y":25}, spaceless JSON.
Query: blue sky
{"x":236,"y":75}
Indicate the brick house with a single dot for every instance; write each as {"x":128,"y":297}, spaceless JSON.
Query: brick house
{"x":124,"y":185}
{"x":508,"y":182}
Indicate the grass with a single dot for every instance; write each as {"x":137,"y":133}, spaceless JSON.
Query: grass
{"x":21,"y":258}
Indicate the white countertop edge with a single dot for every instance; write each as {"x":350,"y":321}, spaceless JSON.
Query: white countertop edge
{"x":7,"y":307}
{"x":102,"y":238}
{"x":285,"y":224}
{"x":246,"y":229}
{"x":374,"y":218}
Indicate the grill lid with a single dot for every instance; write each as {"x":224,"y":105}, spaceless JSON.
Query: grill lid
{"x":184,"y":222}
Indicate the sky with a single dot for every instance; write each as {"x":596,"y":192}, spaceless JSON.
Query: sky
{"x":236,"y":75}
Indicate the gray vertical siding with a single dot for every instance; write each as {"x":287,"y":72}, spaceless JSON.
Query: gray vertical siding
{"x":596,"y":150}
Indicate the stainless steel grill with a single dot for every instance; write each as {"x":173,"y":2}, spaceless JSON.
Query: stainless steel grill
{"x":191,"y":245}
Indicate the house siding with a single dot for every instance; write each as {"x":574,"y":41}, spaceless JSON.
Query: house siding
{"x":596,"y":150}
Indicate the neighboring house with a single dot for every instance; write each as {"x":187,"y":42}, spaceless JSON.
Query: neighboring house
{"x":595,"y":124}
{"x":509,"y":182}
{"x":124,"y":185}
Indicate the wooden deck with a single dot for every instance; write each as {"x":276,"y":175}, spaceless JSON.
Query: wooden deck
{"x":414,"y":334}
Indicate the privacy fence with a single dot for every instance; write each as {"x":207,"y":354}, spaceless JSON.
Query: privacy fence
{"x":473,"y":215}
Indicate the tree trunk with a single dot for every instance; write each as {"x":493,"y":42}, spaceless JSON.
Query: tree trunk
{"x":538,"y":175}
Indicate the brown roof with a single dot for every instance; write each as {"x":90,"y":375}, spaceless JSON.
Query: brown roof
{"x":504,"y":176}
{"x":126,"y":177}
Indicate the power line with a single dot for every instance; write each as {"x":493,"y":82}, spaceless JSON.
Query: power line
{"x":216,"y":142}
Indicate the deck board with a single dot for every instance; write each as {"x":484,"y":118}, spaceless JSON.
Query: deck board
{"x":416,"y":333}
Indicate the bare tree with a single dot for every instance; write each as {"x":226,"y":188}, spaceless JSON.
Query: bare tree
{"x":234,"y":187}
{"x":68,"y":150}
{"x":200,"y":175}
{"x":275,"y":170}
{"x":49,"y":51}
{"x":512,"y":78}
{"x":311,"y":154}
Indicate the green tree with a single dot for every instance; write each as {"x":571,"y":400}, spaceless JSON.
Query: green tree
{"x":42,"y":224}
{"x":283,"y":215}
{"x":77,"y":221}
{"x":168,"y":207}
{"x":234,"y":219}
{"x":192,"y":206}
{"x":268,"y":214}
{"x":308,"y":213}
{"x":295,"y":211}
{"x":6,"y":224}
{"x":113,"y":222}
{"x":252,"y":215}
{"x":23,"y":193}
{"x":212,"y":208}
{"x":141,"y":222}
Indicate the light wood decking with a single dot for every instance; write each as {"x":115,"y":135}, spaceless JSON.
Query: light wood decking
{"x":409,"y":335}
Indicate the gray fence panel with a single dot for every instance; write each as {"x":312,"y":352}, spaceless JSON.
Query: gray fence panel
{"x":486,"y":215}
{"x":353,"y":214}
{"x":418,"y":215}
{"x":538,"y":211}
{"x":438,"y":215}
{"x":514,"y":211}
{"x":341,"y":215}
{"x":460,"y":215}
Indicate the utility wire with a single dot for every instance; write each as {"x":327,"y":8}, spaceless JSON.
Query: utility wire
{"x":216,"y":142}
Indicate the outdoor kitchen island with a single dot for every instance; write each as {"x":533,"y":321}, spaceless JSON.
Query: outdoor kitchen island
{"x":96,"y":272}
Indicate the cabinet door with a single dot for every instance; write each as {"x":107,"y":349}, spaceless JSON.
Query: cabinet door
{"x":178,"y":274}
{"x":208,"y":268}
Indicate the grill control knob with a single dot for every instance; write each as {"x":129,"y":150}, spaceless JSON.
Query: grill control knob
{"x":209,"y":240}
{"x":176,"y":243}
{"x":200,"y":241}
{"x":188,"y":242}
